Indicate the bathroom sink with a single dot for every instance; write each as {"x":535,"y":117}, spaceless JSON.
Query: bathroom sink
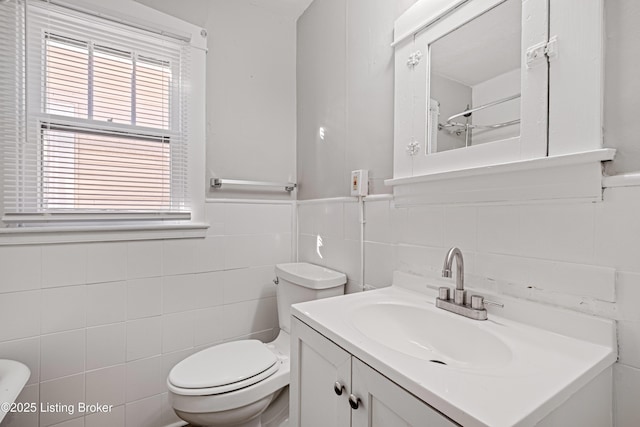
{"x":427,"y":334}
{"x":13,"y":376}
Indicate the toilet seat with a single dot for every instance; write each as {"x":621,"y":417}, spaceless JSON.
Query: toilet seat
{"x":223,"y":368}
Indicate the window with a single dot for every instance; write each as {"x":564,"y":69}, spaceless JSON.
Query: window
{"x":105,"y":122}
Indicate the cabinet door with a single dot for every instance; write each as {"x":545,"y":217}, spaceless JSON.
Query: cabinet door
{"x":384,"y":403}
{"x":316,"y":365}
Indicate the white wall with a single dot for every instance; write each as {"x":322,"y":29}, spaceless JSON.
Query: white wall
{"x":107,"y":321}
{"x":250,"y":94}
{"x":251,"y":89}
{"x":621,"y":84}
{"x":345,"y":84}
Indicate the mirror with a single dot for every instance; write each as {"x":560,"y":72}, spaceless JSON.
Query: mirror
{"x":474,"y":81}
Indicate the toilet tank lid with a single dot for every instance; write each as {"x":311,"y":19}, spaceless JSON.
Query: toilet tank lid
{"x":310,"y":275}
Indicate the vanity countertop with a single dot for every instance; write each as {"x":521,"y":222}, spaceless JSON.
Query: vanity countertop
{"x":544,"y":368}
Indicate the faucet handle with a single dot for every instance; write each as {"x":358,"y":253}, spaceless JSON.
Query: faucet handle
{"x":497,"y":304}
{"x":443,"y":293}
{"x":478,"y":302}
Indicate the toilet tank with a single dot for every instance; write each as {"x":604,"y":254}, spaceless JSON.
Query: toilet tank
{"x":300,"y":282}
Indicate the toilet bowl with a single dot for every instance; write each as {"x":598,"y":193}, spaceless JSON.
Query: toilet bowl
{"x":245,"y":383}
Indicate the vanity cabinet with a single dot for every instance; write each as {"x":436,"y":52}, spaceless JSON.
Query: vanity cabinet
{"x":330,"y":387}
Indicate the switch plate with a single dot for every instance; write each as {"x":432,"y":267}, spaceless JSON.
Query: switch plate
{"x":360,"y":182}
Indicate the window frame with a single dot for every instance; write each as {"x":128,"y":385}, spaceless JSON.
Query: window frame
{"x":98,"y":227}
{"x":38,"y":118}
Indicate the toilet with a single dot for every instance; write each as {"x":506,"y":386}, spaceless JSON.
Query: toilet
{"x":245,"y":383}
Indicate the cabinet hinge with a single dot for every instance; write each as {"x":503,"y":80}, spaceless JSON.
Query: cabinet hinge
{"x":414,"y":59}
{"x":542,"y":52}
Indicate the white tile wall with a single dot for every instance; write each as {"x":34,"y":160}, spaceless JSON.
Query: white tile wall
{"x":582,"y":256}
{"x":107,"y":321}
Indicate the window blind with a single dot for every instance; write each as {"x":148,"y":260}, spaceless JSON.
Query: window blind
{"x":105,"y":121}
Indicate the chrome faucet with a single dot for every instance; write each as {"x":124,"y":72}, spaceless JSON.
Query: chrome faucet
{"x":455,"y":254}
{"x":476,"y":309}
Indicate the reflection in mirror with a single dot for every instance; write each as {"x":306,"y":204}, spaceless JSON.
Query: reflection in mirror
{"x":475,"y":81}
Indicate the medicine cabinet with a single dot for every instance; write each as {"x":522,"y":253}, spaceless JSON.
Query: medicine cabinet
{"x":486,"y":83}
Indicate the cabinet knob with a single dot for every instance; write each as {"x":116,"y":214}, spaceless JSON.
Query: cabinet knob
{"x":338,"y":388}
{"x":354,"y":401}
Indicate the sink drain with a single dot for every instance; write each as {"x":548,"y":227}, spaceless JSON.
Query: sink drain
{"x":440,"y":362}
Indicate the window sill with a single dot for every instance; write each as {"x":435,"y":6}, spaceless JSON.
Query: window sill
{"x":100,"y":233}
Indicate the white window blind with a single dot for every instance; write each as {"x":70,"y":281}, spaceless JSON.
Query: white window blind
{"x":105,"y":119}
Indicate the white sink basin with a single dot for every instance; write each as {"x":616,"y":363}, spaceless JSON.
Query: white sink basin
{"x":431,"y":335}
{"x":13,"y":376}
{"x":500,"y":372}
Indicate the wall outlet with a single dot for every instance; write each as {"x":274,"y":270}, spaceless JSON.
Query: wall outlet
{"x":360,"y":182}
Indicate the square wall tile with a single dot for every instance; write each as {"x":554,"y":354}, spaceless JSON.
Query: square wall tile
{"x":106,"y":303}
{"x":628,"y":295}
{"x":256,"y":250}
{"x":115,"y":418}
{"x":378,"y":264}
{"x":330,"y":219}
{"x":178,"y":293}
{"x":258,"y":218}
{"x":307,"y":219}
{"x":144,"y":413}
{"x":251,"y":316}
{"x":461,"y":227}
{"x":629,"y":343}
{"x":215,"y":217}
{"x":21,"y":268}
{"x":19,"y":305}
{"x":499,"y":229}
{"x":208,"y":289}
{"x":208,"y":326}
{"x":76,"y":422}
{"x":378,"y":222}
{"x":64,"y":309}
{"x":169,"y":416}
{"x":106,"y":345}
{"x":144,"y":378}
{"x":64,"y":265}
{"x":177,"y":331}
{"x":106,"y":385}
{"x":169,"y":360}
{"x":62,"y":354}
{"x":210,"y":253}
{"x":144,"y":259}
{"x":26,"y":351}
{"x":245,"y":284}
{"x":343,"y":256}
{"x":626,"y":383}
{"x":351,"y":220}
{"x":179,"y":256}
{"x":144,"y":338}
{"x":558,"y":232}
{"x":144,"y":297}
{"x":192,"y":291}
{"x":617,"y":229}
{"x":425,"y":226}
{"x":67,"y":391}
{"x":398,"y":218}
{"x":106,"y":262}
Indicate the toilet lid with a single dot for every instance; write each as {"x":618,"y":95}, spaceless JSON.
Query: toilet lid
{"x":223,"y":364}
